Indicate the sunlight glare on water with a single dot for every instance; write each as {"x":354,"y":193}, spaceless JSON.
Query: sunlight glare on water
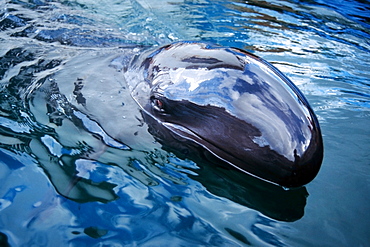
{"x":78,"y":166}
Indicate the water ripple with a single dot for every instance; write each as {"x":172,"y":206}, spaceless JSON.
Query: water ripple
{"x":79,"y":167}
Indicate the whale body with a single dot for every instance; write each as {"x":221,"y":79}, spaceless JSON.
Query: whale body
{"x":235,"y":105}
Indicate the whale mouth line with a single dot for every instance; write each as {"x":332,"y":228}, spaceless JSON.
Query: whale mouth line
{"x":192,"y":136}
{"x":188,"y":134}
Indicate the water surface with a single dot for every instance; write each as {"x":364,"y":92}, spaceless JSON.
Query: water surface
{"x":78,"y":166}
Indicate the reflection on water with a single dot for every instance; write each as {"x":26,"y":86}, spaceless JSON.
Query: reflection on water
{"x":79,"y":166}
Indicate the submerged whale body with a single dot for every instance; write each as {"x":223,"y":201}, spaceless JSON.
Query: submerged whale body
{"x":238,"y":107}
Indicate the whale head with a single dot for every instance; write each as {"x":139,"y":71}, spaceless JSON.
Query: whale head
{"x":235,"y":105}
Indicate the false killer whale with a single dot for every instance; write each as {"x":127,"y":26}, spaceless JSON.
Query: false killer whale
{"x":235,"y":105}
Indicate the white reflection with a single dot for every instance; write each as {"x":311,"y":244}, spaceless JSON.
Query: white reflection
{"x":274,"y":130}
{"x":257,"y":96}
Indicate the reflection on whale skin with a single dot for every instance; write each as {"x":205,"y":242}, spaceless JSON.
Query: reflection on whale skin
{"x":235,"y":105}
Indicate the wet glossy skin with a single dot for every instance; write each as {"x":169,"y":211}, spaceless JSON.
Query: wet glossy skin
{"x":235,"y":105}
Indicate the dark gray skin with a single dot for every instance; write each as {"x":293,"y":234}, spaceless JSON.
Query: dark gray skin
{"x":238,"y":107}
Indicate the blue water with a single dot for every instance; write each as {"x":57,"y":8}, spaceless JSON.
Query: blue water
{"x":78,"y":166}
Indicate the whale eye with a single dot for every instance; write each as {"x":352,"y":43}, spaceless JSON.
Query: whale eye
{"x":157,"y":104}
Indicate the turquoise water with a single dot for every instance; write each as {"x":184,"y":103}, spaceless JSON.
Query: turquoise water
{"x":78,"y":166}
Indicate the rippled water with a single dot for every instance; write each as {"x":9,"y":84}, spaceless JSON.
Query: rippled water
{"x":79,"y":168}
